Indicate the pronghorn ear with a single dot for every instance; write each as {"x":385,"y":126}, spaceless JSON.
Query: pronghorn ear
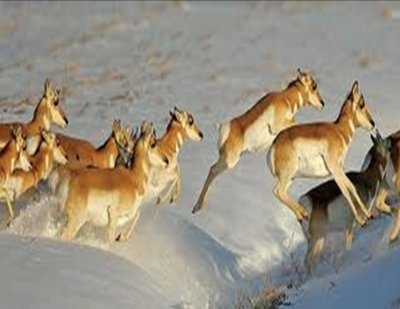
{"x":172,"y":114}
{"x":116,"y":126}
{"x":46,"y":85}
{"x":355,"y":89}
{"x":58,"y":91}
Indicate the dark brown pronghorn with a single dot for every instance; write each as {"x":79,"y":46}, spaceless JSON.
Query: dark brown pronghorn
{"x":165,"y":183}
{"x":318,"y":150}
{"x":255,"y":130}
{"x":328,"y":207}
{"x":109,"y":197}
{"x":48,"y":111}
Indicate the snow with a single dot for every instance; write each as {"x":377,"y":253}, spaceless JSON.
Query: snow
{"x":136,"y":60}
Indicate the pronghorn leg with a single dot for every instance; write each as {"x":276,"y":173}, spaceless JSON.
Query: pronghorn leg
{"x":219,"y":167}
{"x":348,"y":236}
{"x":112,"y":224}
{"x":316,"y":244}
{"x":340,"y":179}
{"x":381,"y":201}
{"x":128,"y":233}
{"x":72,"y":227}
{"x":4,"y":193}
{"x":176,"y":193}
{"x":394,"y":232}
{"x":281,"y":193}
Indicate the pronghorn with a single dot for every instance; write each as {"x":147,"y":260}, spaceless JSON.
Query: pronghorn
{"x":392,"y":184}
{"x":255,"y":130}
{"x":109,"y":197}
{"x":81,"y":153}
{"x":48,"y":111}
{"x":180,"y":127}
{"x":49,"y":152}
{"x":12,"y":156}
{"x":328,"y":208}
{"x":318,"y":150}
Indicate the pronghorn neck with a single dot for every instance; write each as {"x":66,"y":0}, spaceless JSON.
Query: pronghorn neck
{"x":375,"y":171}
{"x":140,"y":169}
{"x":295,"y":96}
{"x":8,"y":156}
{"x":42,"y":162}
{"x":172,"y":140}
{"x":109,"y":150}
{"x":41,"y":119}
{"x":345,"y":123}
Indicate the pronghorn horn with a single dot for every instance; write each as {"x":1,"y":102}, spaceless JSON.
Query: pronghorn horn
{"x":46,"y":84}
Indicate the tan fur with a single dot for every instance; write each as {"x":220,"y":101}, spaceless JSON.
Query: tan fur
{"x":11,"y":156}
{"x":50,"y":151}
{"x":180,"y":127}
{"x":327,"y":205}
{"x":106,"y":196}
{"x":48,"y":111}
{"x":81,"y":153}
{"x":318,"y":150}
{"x":255,"y":130}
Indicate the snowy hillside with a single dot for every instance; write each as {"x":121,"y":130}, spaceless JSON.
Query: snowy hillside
{"x":136,"y":60}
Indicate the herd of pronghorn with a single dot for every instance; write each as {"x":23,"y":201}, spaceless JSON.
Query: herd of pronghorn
{"x":105,"y":186}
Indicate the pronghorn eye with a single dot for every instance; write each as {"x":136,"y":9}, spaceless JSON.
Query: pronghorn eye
{"x":314,"y":86}
{"x":191,"y":121}
{"x":56,"y":102}
{"x":362,"y":103}
{"x":153,"y":144}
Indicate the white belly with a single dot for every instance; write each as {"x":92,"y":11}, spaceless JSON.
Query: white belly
{"x":311,"y":162}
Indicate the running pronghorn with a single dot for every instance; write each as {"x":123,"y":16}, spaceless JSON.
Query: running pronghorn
{"x":110,"y":197}
{"x":255,"y":130}
{"x":180,"y":127}
{"x":327,"y":205}
{"x":12,"y":156}
{"x":81,"y":153}
{"x":318,"y":150}
{"x":49,"y":152}
{"x":48,"y":111}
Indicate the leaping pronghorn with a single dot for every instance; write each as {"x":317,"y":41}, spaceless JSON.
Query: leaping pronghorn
{"x":109,"y":197}
{"x":12,"y":156}
{"x":49,"y":152}
{"x":255,"y":130}
{"x":48,"y":111}
{"x":318,"y":150}
{"x":180,"y":127}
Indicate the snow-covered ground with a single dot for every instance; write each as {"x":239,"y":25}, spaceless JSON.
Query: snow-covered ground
{"x":136,"y":60}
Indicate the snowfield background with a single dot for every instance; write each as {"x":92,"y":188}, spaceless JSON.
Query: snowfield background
{"x":137,"y":60}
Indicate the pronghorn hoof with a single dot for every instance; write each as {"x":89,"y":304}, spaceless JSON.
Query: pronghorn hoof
{"x":196,"y":208}
{"x":118,"y":238}
{"x":370,"y":217}
{"x":393,"y":240}
{"x":363,"y":224}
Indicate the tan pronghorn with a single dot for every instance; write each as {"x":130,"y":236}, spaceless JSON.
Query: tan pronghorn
{"x":49,"y":152}
{"x":109,"y":197}
{"x":255,"y":130}
{"x":48,"y":111}
{"x":180,"y":127}
{"x":81,"y":153}
{"x":12,"y":156}
{"x":318,"y":150}
{"x":328,"y":207}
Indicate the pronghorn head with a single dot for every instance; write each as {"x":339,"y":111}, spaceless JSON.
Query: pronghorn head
{"x":54,"y":144}
{"x":186,"y":120}
{"x":22,"y":160}
{"x":362,"y":116}
{"x":51,"y":101}
{"x":147,"y":142}
{"x":380,"y":152}
{"x":311,"y":93}
{"x":125,"y":138}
